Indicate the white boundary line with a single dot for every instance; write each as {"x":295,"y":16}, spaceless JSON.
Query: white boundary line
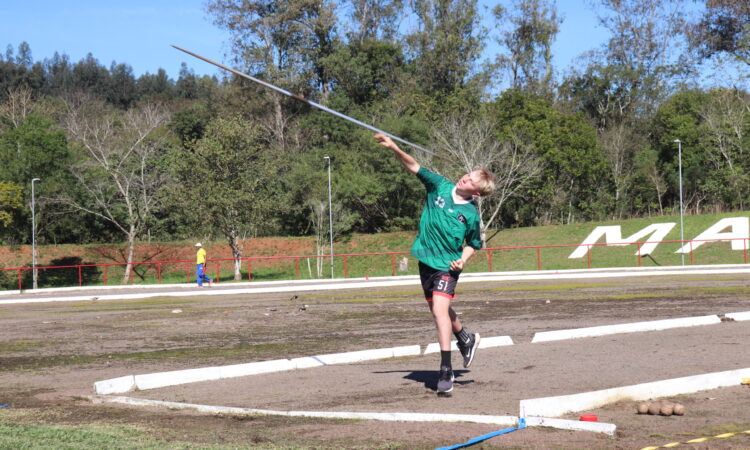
{"x":598,"y":427}
{"x":654,"y":325}
{"x":563,"y":404}
{"x":258,"y":287}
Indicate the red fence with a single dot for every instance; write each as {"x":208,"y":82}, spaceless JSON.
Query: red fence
{"x":385,"y":262}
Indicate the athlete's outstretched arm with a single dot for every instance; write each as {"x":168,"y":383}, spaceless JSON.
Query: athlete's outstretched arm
{"x":404,"y":158}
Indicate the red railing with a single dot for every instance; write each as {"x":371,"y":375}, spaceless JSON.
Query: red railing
{"x":189,"y":265}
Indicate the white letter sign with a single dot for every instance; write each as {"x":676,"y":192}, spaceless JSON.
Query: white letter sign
{"x":738,"y":234}
{"x":613,"y":236}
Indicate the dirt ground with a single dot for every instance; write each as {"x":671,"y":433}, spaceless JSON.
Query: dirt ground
{"x":52,"y":353}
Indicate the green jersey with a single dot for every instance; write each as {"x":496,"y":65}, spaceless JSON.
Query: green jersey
{"x":444,"y":225}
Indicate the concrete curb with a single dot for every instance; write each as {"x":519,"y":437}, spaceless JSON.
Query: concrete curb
{"x":366,"y":355}
{"x":739,"y":315}
{"x":115,"y":385}
{"x":485,"y":342}
{"x":172,"y":378}
{"x":563,"y":404}
{"x":573,"y":425}
{"x":655,"y":325}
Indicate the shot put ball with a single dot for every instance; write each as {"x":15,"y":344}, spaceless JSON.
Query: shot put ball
{"x":654,"y":408}
{"x":679,"y":409}
{"x":666,"y":409}
{"x":642,"y":408}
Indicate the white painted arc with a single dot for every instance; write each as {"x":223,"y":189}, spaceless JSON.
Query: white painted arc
{"x":606,"y":428}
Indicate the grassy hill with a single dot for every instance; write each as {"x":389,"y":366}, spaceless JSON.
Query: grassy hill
{"x":530,"y":248}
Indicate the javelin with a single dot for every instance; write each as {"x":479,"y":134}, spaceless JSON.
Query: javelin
{"x":309,"y":102}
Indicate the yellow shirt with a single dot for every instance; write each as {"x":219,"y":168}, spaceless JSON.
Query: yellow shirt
{"x":201,"y":257}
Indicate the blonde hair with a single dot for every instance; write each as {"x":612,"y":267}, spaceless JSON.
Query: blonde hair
{"x":486,"y":182}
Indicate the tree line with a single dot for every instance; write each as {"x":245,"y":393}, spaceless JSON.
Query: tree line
{"x":126,"y":158}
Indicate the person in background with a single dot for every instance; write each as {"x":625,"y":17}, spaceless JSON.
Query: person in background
{"x":200,"y":266}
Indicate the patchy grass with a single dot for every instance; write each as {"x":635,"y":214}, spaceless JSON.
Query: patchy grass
{"x":736,"y":427}
{"x":374,"y":300}
{"x":369,"y":315}
{"x":80,"y":437}
{"x":101,"y":306}
{"x":549,"y":287}
{"x":21,"y":345}
{"x":738,"y":289}
{"x":89,"y":426}
{"x":633,"y":296}
{"x":349,"y":295}
{"x":245,"y":351}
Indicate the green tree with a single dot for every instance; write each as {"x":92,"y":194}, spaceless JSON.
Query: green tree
{"x":267,"y":40}
{"x":366,"y":71}
{"x":726,"y":138}
{"x":10,"y":200}
{"x":91,"y":77}
{"x":226,"y":182}
{"x":649,"y":183}
{"x":32,"y":146}
{"x":724,"y":28}
{"x":573,"y":184}
{"x":533,"y":26}
{"x":447,"y":45}
{"x":679,"y":118}
{"x":121,"y":87}
{"x":375,"y":19}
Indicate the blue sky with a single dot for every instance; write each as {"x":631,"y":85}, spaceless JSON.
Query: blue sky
{"x":139,"y":32}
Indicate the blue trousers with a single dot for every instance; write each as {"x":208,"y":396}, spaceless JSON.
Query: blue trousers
{"x":200,"y":276}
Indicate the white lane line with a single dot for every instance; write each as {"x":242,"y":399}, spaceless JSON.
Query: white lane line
{"x":654,"y":325}
{"x":361,"y":283}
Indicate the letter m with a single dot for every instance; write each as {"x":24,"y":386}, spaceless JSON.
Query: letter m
{"x":653,"y":233}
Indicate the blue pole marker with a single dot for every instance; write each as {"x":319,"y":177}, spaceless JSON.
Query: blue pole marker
{"x":5,"y":405}
{"x":484,"y":437}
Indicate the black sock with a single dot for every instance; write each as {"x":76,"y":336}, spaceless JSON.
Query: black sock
{"x":462,"y":336}
{"x":445,"y":358}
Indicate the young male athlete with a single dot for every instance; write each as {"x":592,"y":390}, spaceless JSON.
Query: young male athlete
{"x":449,"y":219}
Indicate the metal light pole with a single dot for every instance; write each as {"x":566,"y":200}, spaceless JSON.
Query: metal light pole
{"x":682,"y":227}
{"x":330,"y":212}
{"x":33,"y":236}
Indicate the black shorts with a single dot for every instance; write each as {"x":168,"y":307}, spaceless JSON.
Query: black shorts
{"x":434,"y":280}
